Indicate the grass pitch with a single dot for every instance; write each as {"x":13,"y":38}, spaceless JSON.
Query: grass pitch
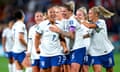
{"x":4,"y":64}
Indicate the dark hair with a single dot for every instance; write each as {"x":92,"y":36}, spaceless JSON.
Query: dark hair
{"x":19,"y":14}
{"x":36,"y":12}
{"x":50,"y":6}
{"x":10,"y":19}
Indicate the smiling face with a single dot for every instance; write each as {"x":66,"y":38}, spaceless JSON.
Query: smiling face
{"x":38,"y":17}
{"x":58,"y":13}
{"x":93,"y":13}
{"x":10,"y":24}
{"x":64,"y":12}
{"x":51,"y":13}
{"x":80,"y":14}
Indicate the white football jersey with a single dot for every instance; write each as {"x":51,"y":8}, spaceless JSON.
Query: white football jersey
{"x":19,"y":27}
{"x":50,"y":42}
{"x":79,"y":41}
{"x":100,"y":44}
{"x":31,"y":42}
{"x":66,"y":29}
{"x":7,"y":33}
{"x":86,"y":30}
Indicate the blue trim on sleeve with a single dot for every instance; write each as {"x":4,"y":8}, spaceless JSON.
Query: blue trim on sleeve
{"x":50,"y":23}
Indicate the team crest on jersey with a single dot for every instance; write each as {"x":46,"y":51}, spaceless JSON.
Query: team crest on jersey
{"x":71,"y":22}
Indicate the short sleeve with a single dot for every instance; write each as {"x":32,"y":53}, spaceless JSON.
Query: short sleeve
{"x":72,"y":25}
{"x":39,"y":29}
{"x":100,"y":23}
{"x":21,"y":28}
{"x":4,"y":33}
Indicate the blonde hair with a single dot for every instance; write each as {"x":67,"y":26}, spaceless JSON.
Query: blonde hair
{"x":71,"y":4}
{"x":57,"y":6}
{"x":84,"y":10}
{"x":100,"y":10}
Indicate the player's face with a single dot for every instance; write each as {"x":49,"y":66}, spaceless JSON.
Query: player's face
{"x":80,"y":14}
{"x":64,"y":12}
{"x":91,"y":14}
{"x":11,"y":24}
{"x":38,"y":17}
{"x":58,"y":13}
{"x":51,"y":13}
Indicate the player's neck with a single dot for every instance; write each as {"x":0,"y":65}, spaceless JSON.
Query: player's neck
{"x":95,"y":19}
{"x":52,"y":21}
{"x":20,"y":20}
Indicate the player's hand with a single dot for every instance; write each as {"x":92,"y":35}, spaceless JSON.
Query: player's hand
{"x":84,"y":22}
{"x":66,"y":50}
{"x":54,"y":28}
{"x":38,"y":50}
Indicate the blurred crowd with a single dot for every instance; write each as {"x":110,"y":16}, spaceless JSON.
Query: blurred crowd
{"x":8,"y":7}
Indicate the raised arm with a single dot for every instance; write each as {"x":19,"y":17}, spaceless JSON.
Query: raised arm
{"x":69,"y":34}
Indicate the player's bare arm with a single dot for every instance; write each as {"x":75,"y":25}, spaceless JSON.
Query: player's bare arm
{"x":22,"y":40}
{"x":37,"y":42}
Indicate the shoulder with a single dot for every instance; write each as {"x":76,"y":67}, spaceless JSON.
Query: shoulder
{"x":58,"y":22}
{"x":32,"y":27}
{"x":101,"y":21}
{"x":6,"y":29}
{"x":43,"y":23}
{"x":19,"y":24}
{"x":72,"y":19}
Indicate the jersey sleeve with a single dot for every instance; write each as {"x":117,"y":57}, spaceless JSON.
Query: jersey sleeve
{"x":4,"y":33}
{"x":72,"y":25}
{"x":39,"y":28}
{"x":100,"y":25}
{"x":21,"y":28}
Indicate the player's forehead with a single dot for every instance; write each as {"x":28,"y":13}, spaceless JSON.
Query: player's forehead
{"x":51,"y":9}
{"x":38,"y":13}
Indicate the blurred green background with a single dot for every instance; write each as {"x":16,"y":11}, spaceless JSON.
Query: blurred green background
{"x":4,"y":64}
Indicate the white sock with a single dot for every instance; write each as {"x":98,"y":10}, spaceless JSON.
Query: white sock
{"x":28,"y":69}
{"x":19,"y":70}
{"x":14,"y":67}
{"x":10,"y":67}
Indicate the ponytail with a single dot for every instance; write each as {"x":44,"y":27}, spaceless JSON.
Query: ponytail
{"x":72,"y":5}
{"x":104,"y":12}
{"x":101,"y":11}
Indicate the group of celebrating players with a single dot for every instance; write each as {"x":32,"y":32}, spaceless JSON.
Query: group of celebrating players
{"x":60,"y":42}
